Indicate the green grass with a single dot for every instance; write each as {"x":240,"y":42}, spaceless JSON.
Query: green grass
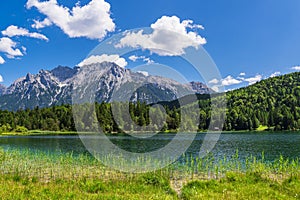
{"x":243,"y":186}
{"x":27,"y":175}
{"x":39,"y":175}
{"x":44,"y":133}
{"x":262,"y":128}
{"x":25,"y":188}
{"x":39,"y":132}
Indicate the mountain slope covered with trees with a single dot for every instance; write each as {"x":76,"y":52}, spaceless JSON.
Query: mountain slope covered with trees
{"x":274,"y":102}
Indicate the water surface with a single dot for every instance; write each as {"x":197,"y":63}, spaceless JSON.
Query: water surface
{"x":272,"y":144}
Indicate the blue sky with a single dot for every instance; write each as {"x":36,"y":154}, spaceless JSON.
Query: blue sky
{"x":255,"y":38}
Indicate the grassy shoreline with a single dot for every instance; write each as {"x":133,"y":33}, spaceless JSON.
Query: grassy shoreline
{"x":71,"y":133}
{"x":38,"y":175}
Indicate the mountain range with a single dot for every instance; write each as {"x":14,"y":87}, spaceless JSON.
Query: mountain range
{"x":109,"y":81}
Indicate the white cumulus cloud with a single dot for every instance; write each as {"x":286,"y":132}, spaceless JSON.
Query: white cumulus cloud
{"x":134,"y":58}
{"x":170,"y":37}
{"x":275,"y":74}
{"x":104,"y":58}
{"x":2,"y":61}
{"x":12,"y":31}
{"x":242,"y":74}
{"x":8,"y":47}
{"x":41,"y":24}
{"x":296,"y":68}
{"x":144,"y":73}
{"x":148,"y":60}
{"x":92,"y":20}
{"x":213,"y":81}
{"x":215,"y":88}
{"x":254,"y":79}
{"x":1,"y":79}
{"x":229,"y":80}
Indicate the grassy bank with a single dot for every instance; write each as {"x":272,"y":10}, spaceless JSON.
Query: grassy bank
{"x":38,"y":132}
{"x":139,"y":188}
{"x":28,"y":175}
{"x":243,"y":186}
{"x":66,"y":133}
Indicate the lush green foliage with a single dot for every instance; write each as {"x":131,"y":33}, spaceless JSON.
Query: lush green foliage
{"x":270,"y":104}
{"x":274,"y":102}
{"x":54,"y":118}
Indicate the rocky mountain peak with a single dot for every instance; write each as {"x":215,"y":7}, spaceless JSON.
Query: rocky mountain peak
{"x":2,"y":89}
{"x":49,"y":88}
{"x":200,"y":88}
{"x":29,"y":77}
{"x":63,"y":73}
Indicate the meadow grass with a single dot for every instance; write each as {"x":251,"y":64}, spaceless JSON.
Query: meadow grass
{"x":40,"y":175}
{"x":262,"y":128}
{"x":243,"y":186}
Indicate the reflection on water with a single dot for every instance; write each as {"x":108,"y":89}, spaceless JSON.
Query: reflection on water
{"x":272,"y":144}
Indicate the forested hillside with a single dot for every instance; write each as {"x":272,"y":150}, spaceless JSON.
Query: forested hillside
{"x":274,"y":102}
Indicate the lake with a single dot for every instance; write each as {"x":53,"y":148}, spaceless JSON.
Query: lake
{"x":272,"y":144}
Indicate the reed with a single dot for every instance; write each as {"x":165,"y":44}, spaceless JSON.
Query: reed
{"x":41,"y":170}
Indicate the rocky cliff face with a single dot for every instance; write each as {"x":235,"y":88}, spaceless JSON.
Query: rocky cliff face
{"x":2,"y":89}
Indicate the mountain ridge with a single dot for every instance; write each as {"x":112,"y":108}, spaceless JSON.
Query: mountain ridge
{"x":55,"y":87}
